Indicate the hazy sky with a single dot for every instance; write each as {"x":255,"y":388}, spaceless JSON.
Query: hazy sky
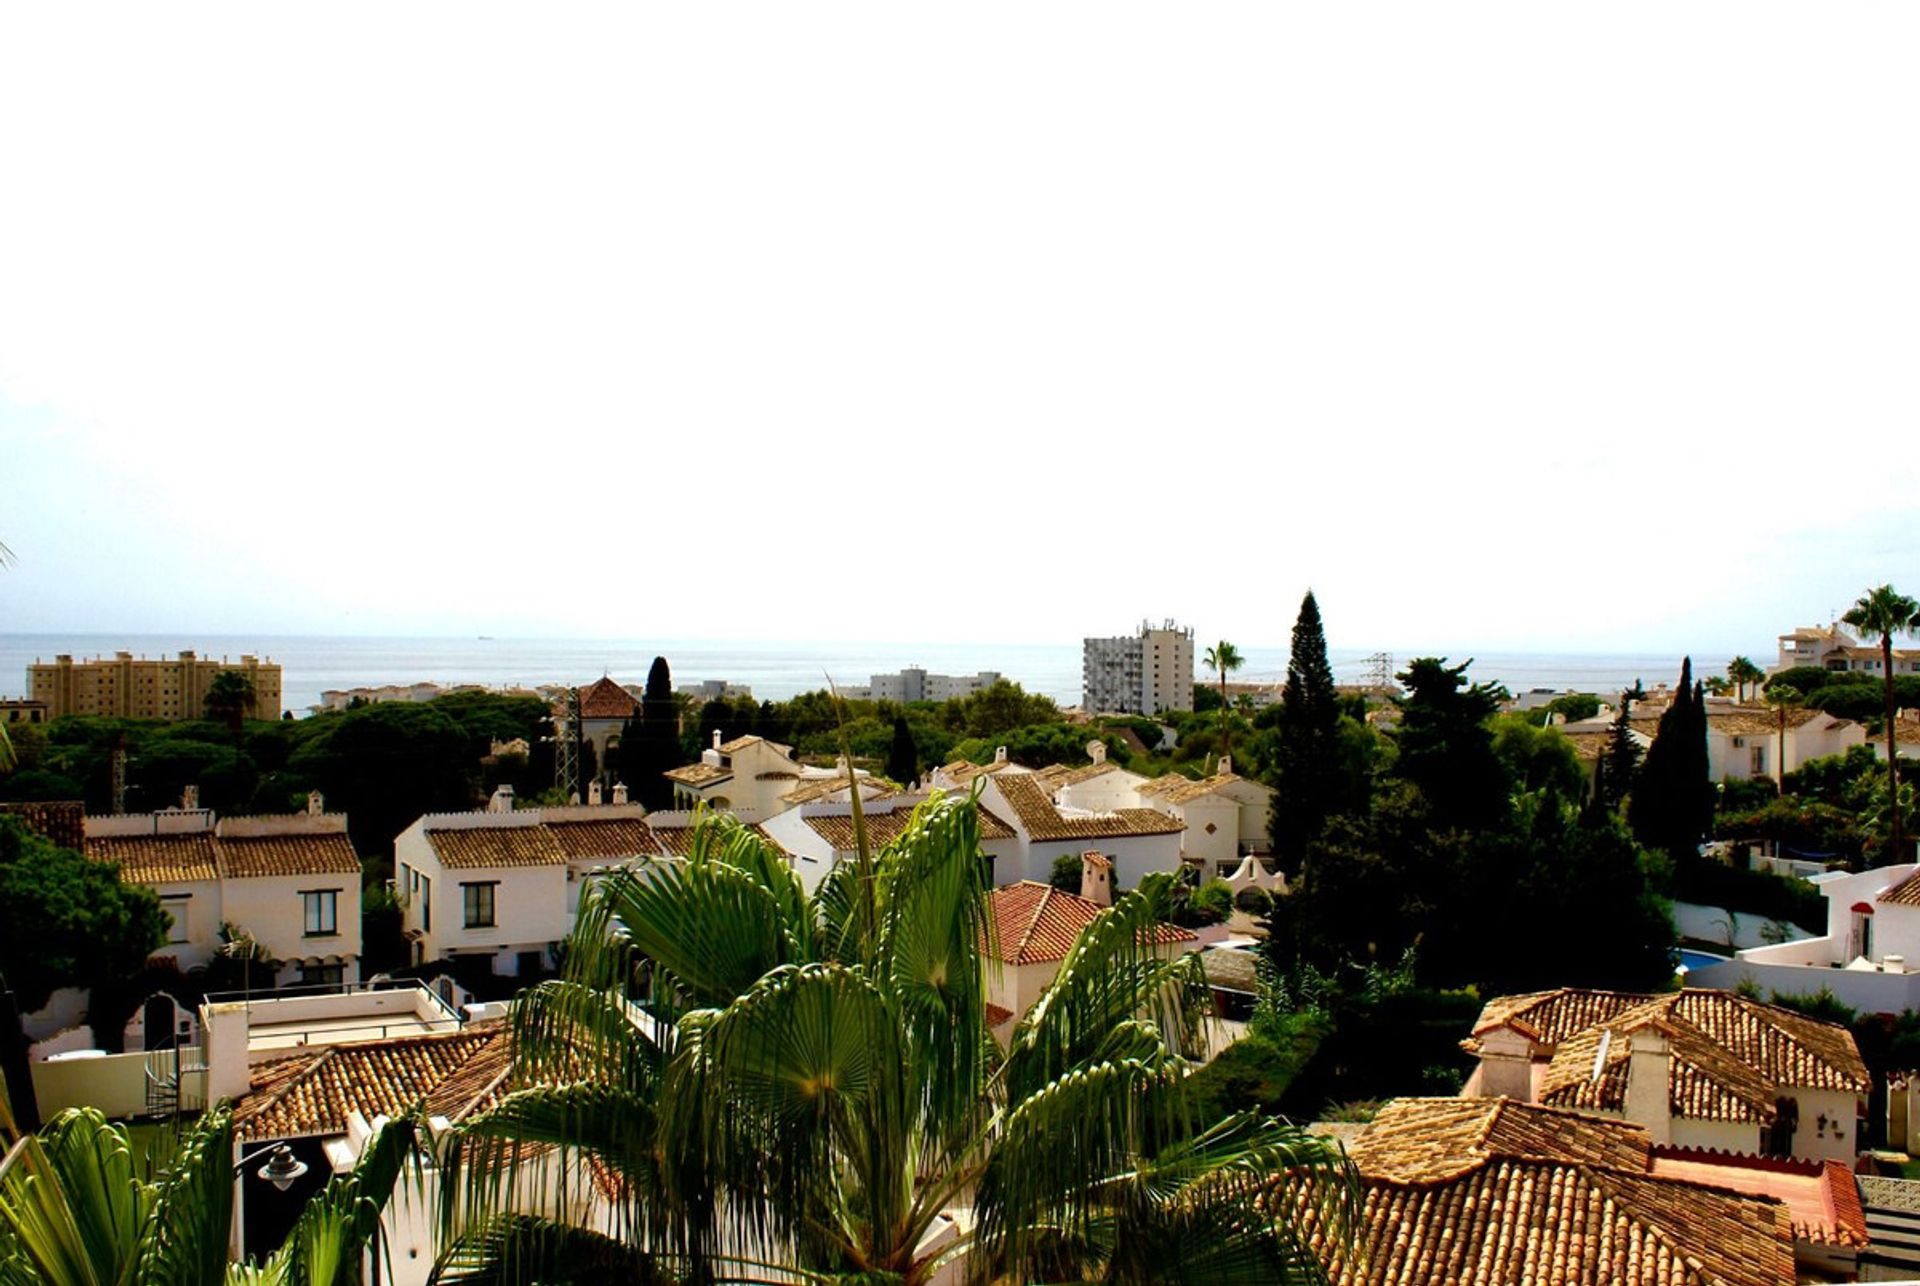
{"x":1502,"y":325}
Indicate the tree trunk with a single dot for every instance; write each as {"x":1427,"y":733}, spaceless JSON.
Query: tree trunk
{"x":1780,"y":768}
{"x":1893,"y":752}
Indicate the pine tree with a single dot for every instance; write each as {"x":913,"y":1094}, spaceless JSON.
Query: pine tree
{"x":1622,"y":758}
{"x":1672,"y":802}
{"x":903,"y":763}
{"x":1307,"y":757}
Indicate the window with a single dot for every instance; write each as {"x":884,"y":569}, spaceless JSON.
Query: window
{"x":476,"y":904}
{"x":322,"y":975}
{"x":426,"y":904}
{"x":175,"y":905}
{"x":322,"y":907}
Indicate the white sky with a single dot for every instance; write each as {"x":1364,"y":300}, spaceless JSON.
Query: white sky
{"x":1517,"y":325}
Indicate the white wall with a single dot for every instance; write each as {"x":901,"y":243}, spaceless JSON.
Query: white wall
{"x":1725,"y":1136}
{"x":270,"y":908}
{"x":200,"y":913}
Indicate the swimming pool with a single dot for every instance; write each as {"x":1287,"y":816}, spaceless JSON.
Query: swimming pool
{"x":1699,"y":959}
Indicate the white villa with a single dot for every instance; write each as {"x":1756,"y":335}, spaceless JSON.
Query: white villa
{"x":1744,"y":742}
{"x":1698,"y":1069}
{"x":754,"y":778}
{"x":1873,"y":930}
{"x":507,"y":884}
{"x":1832,"y":648}
{"x":817,"y":835}
{"x":1036,"y":925}
{"x":291,"y":883}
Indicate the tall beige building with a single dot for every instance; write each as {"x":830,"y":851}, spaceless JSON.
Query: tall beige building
{"x":142,"y":689}
{"x":1143,"y":673}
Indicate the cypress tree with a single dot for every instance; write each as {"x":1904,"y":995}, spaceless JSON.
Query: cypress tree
{"x":903,"y":763}
{"x":1672,"y":801}
{"x":1307,"y":756}
{"x":659,"y":739}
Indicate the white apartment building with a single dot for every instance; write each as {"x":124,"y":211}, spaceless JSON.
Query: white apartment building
{"x":1142,"y":673}
{"x":915,"y":684}
{"x":290,"y":883}
{"x":1832,"y":648}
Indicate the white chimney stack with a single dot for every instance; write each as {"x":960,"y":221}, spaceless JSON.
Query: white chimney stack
{"x":716,"y":738}
{"x":190,"y":798}
{"x":1096,"y":878}
{"x":502,"y":801}
{"x":999,"y":754}
{"x":1649,"y":1072}
{"x":1226,"y":765}
{"x":316,"y":803}
{"x":619,"y":792}
{"x":593,"y":794}
{"x":1097,"y":751}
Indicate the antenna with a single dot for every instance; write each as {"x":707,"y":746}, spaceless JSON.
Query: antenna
{"x":566,"y":746}
{"x":1380,"y":671}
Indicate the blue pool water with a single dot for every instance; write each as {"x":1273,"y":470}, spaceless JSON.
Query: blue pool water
{"x":1699,"y":959}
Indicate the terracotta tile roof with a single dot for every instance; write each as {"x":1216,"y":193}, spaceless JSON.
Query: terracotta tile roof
{"x":738,"y":744}
{"x":1052,"y":777}
{"x":606,"y":699}
{"x":1425,"y":1140}
{"x":472,"y":848}
{"x":310,"y":1093}
{"x":884,"y":828}
{"x":1230,"y":969}
{"x":1490,"y":1192}
{"x":1042,"y":821}
{"x":817,"y":788}
{"x":62,"y":821}
{"x":776,"y":776}
{"x":1175,"y":789}
{"x":1549,"y":1017}
{"x":590,"y":839}
{"x":700,"y":774}
{"x":1090,"y":771}
{"x":1764,"y":721}
{"x":960,"y":771}
{"x":1905,"y":893}
{"x":1036,"y":923}
{"x":158,"y":859}
{"x":997,"y":1017}
{"x":1730,"y":1056}
{"x":251,"y":856}
{"x":1822,"y":1200}
{"x":677,"y":841}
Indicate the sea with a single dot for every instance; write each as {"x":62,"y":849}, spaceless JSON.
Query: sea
{"x":773,"y":670}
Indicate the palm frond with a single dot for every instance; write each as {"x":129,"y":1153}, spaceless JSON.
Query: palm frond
{"x":185,"y":1241}
{"x":522,"y":1248}
{"x":71,"y":1202}
{"x":1112,"y":978}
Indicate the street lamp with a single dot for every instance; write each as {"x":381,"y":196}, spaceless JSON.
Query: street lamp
{"x":282,"y":1167}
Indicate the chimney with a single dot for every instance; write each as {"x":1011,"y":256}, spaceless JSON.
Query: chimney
{"x":1096,"y":878}
{"x":1097,"y":751}
{"x":1648,"y":1074}
{"x":190,"y":798}
{"x":1506,"y":1065}
{"x":593,"y":794}
{"x":716,"y":738}
{"x":224,"y":1029}
{"x":619,"y":792}
{"x":1226,"y":765}
{"x":502,"y":801}
{"x":316,"y":803}
{"x":999,"y":754}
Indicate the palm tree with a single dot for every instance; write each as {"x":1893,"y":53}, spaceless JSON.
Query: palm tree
{"x":1885,"y":612}
{"x":1784,"y":698}
{"x":1744,"y":674}
{"x":76,"y":1209}
{"x":1223,"y":658}
{"x":229,"y":697}
{"x":773,"y":1084}
{"x":6,"y":739}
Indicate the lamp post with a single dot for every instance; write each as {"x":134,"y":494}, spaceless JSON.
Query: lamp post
{"x":281,"y":1169}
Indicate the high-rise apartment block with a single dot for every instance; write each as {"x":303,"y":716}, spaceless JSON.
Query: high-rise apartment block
{"x":1142,"y":673}
{"x":142,"y":689}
